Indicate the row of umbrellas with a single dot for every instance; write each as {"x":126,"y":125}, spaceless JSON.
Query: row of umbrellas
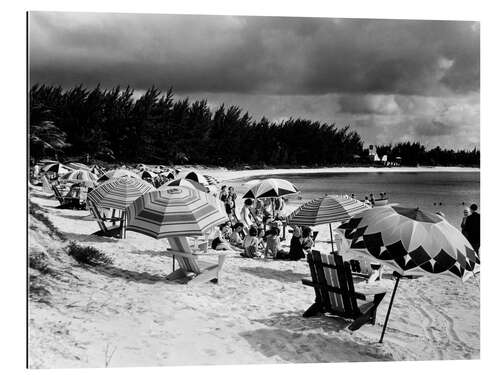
{"x":407,"y":240}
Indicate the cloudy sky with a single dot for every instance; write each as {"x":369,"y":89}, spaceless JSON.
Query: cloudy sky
{"x":391,"y":80}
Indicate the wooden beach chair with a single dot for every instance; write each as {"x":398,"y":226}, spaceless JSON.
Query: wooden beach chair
{"x":190,"y":267}
{"x":65,"y":202}
{"x":46,"y":186}
{"x":335,"y":293}
{"x":113,"y":231}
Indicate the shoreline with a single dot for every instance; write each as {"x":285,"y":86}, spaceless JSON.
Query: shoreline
{"x":228,"y":175}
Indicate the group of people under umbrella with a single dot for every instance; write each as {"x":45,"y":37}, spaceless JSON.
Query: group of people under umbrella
{"x":408,"y":241}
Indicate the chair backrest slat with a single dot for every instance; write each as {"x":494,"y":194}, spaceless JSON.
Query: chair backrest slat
{"x":331,"y":271}
{"x":181,"y":245}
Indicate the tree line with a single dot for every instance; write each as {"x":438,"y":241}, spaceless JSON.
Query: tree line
{"x":110,"y":125}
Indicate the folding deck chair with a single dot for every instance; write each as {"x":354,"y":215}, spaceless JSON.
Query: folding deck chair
{"x":190,"y":267}
{"x":65,"y":202}
{"x":113,"y":231}
{"x":334,"y":289}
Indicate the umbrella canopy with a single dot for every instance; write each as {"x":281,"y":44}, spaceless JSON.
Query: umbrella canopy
{"x":183,"y":182}
{"x":211,"y":180}
{"x":325,"y":210}
{"x":78,"y":166}
{"x":147,"y":174}
{"x":119,"y":192}
{"x":411,"y":242}
{"x":195,"y":176}
{"x":81,"y":176}
{"x":173,"y":212}
{"x":57,"y":168}
{"x":117,"y":173}
{"x":271,"y":188}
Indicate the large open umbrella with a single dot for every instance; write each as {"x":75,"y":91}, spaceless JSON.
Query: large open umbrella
{"x":326,"y":210}
{"x":117,"y":173}
{"x":119,"y":193}
{"x":271,"y":188}
{"x":83,"y":177}
{"x":173,"y":212}
{"x":411,"y":242}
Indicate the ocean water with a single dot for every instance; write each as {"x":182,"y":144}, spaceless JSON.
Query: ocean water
{"x":447,"y":192}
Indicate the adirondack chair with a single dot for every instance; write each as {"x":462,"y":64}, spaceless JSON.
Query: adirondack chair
{"x":335,"y":293}
{"x":65,"y":202}
{"x":191,"y":269}
{"x":113,"y":231}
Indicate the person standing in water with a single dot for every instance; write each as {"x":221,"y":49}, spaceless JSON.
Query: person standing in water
{"x":472,"y":230}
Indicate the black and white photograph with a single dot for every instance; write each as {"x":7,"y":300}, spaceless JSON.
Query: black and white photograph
{"x":242,"y":189}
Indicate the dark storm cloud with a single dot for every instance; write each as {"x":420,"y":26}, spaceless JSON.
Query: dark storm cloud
{"x":255,"y":54}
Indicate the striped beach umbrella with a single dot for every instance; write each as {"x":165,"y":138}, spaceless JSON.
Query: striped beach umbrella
{"x":174,"y":212}
{"x":117,"y":173}
{"x":118,"y":193}
{"x":271,"y":188}
{"x":326,"y":210}
{"x":84,"y":177}
{"x":78,"y":166}
{"x":183,"y":182}
{"x":211,"y":180}
{"x":411,"y":242}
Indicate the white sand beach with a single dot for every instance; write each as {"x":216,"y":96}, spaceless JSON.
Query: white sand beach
{"x":127,"y":314}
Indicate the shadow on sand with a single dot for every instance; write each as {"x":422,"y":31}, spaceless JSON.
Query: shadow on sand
{"x":152,"y":253}
{"x":87,"y":238}
{"x":302,"y":347}
{"x":274,"y":274}
{"x":293,"y":321}
{"x":139,"y":277}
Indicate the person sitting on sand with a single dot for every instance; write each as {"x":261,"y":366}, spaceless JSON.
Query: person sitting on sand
{"x":236,"y":238}
{"x":296,"y":251}
{"x":307,"y":241}
{"x":251,"y":244}
{"x":220,"y":242}
{"x":272,"y":243}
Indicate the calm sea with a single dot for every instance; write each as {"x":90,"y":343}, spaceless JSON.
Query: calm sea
{"x":447,"y":192}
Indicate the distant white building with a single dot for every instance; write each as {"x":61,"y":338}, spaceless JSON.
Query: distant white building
{"x":372,"y":153}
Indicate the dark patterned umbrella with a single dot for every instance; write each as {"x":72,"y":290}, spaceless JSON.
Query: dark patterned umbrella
{"x":411,"y":242}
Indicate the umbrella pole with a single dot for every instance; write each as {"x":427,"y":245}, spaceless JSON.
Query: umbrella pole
{"x":124,"y":224}
{"x":389,"y":310}
{"x":331,"y":236}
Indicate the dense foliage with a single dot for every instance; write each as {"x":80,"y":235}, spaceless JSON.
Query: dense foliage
{"x":111,"y":125}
